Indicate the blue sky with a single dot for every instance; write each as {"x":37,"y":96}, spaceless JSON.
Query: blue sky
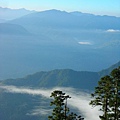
{"x":102,"y":7}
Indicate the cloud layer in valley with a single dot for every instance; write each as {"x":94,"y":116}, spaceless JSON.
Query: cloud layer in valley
{"x":80,"y":100}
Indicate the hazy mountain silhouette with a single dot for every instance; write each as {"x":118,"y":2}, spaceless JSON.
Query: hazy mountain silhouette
{"x":7,"y":28}
{"x":9,"y":14}
{"x":62,"y":19}
{"x":58,"y":40}
{"x":64,"y":47}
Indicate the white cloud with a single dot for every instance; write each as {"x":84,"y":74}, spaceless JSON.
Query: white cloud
{"x":79,"y":100}
{"x":22,"y":90}
{"x":85,"y":43}
{"x":84,"y":107}
{"x":112,"y":30}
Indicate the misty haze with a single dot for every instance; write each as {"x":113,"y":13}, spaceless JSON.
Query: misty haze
{"x":47,"y":46}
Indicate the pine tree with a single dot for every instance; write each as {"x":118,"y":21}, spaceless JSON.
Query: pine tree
{"x":115,"y":103}
{"x":107,"y":95}
{"x":61,"y":110}
{"x":102,"y":96}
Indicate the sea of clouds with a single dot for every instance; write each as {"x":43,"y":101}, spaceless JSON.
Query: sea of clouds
{"x":79,"y":99}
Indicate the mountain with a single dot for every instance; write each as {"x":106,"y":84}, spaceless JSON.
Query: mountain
{"x":76,"y":13}
{"x":63,"y":78}
{"x":62,"y":19}
{"x":58,"y":40}
{"x":108,"y":71}
{"x":64,"y":47}
{"x":9,"y":14}
{"x":28,"y":97}
{"x":7,"y":28}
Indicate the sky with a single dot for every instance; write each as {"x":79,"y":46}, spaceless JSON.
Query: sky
{"x":99,"y":7}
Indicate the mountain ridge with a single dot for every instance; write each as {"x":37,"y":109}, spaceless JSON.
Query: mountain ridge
{"x":55,"y":45}
{"x":53,"y":48}
{"x":19,"y":101}
{"x":56,"y":16}
{"x":62,"y":77}
{"x":9,"y":13}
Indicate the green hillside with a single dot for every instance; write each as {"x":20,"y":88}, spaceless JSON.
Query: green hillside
{"x":22,"y":104}
{"x":61,"y":77}
{"x":107,"y":71}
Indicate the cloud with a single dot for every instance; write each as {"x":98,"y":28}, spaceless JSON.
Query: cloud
{"x":84,"y":107}
{"x":80,"y":100}
{"x":85,"y":43}
{"x":112,"y":30}
{"x":23,"y":90}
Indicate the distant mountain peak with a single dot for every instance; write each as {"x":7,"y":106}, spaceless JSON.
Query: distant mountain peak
{"x":15,"y":9}
{"x":55,"y":11}
{"x":77,"y":13}
{"x":9,"y":13}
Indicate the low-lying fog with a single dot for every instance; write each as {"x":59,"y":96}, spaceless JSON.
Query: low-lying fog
{"x":79,"y":99}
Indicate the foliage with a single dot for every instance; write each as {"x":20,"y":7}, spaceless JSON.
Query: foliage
{"x":61,"y":111}
{"x":107,"y":95}
{"x":115,"y":103}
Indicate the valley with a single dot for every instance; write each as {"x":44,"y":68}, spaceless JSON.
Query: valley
{"x":53,"y":49}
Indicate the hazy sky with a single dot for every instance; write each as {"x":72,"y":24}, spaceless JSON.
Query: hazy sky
{"x":108,"y":7}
